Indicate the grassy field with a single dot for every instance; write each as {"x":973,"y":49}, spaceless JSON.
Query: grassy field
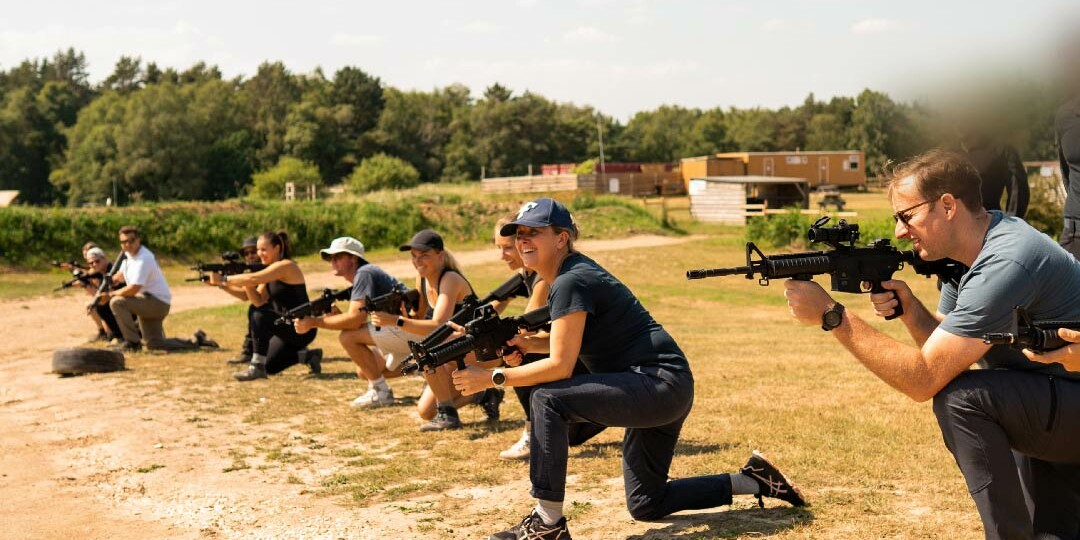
{"x":870,"y":461}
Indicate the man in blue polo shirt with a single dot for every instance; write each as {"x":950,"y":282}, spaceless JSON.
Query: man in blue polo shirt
{"x":1014,"y":426}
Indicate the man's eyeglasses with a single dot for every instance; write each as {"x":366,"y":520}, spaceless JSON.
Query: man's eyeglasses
{"x":247,"y":252}
{"x":126,"y":241}
{"x":905,"y":215}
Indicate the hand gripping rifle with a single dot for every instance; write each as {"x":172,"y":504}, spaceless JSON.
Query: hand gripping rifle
{"x":233,"y":265}
{"x":393,"y":301}
{"x":1039,"y":336}
{"x":79,"y":277}
{"x":106,"y":282}
{"x":515,"y":286}
{"x":486,"y":335}
{"x":848,"y":266}
{"x":319,"y":306}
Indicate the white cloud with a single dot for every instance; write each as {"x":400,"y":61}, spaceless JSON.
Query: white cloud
{"x":527,"y":3}
{"x":479,"y":27}
{"x":874,"y":26}
{"x":588,"y":34}
{"x":354,"y":40}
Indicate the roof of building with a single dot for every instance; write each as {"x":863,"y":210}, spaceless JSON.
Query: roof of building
{"x":752,"y":179}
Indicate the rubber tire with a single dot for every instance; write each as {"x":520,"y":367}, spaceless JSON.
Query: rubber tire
{"x":74,"y":361}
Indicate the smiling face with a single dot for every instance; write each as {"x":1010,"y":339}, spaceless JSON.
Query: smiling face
{"x":539,"y":247}
{"x":427,"y":262}
{"x":268,"y":253}
{"x":917,"y":219}
{"x":344,"y":264}
{"x":508,"y":251}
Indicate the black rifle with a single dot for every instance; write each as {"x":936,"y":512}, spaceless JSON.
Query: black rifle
{"x":948,"y":270}
{"x":79,"y":277}
{"x":1039,"y":336}
{"x":319,"y":306}
{"x":233,"y":265}
{"x":847,"y":265}
{"x":515,"y":286}
{"x":106,"y":283}
{"x":73,"y":264}
{"x":486,"y":334}
{"x":393,"y":301}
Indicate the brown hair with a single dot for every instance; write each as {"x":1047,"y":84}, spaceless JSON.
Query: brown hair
{"x":281,"y":239}
{"x":571,"y":235}
{"x":938,"y":172}
{"x":129,"y":230}
{"x":503,"y":221}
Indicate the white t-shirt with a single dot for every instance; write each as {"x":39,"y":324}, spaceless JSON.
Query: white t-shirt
{"x":142,"y":269}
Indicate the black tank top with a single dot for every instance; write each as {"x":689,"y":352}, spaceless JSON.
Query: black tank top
{"x":284,"y":296}
{"x":423,"y":290}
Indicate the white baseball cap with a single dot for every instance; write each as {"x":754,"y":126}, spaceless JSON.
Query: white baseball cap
{"x":344,"y":244}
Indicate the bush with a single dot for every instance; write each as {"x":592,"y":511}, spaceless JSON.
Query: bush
{"x":270,"y":184}
{"x":383,"y":172}
{"x":789,"y":230}
{"x":1045,"y":207}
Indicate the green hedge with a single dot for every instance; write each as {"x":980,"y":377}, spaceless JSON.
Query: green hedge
{"x":789,"y":230}
{"x":189,"y":231}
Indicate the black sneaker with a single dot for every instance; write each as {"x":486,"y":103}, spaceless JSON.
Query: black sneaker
{"x":254,"y":371}
{"x":203,"y":341}
{"x":242,"y":358}
{"x":446,"y":418}
{"x":128,"y":346}
{"x":313,"y":359}
{"x":771,"y":481}
{"x":490,"y":400}
{"x":534,"y":528}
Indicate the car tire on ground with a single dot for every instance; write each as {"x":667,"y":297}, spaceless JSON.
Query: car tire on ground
{"x":78,"y":360}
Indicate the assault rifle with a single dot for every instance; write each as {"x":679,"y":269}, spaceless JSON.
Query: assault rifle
{"x":70,"y":265}
{"x":847,"y":265}
{"x":319,"y":306}
{"x":486,"y":335}
{"x":233,"y":265}
{"x":515,"y":286}
{"x":106,"y":282}
{"x":393,"y":301}
{"x":79,"y":277}
{"x":948,"y":270}
{"x":1039,"y":336}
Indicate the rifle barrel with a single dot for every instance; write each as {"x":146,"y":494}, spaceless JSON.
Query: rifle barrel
{"x":716,"y":272}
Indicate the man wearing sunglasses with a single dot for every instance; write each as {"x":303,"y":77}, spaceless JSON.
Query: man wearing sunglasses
{"x":250,"y":254}
{"x":1014,"y":426}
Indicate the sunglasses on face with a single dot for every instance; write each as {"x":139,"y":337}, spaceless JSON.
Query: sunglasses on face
{"x":906,"y":214}
{"x":247,"y":252}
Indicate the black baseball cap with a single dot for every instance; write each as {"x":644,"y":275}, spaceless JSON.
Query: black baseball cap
{"x":425,"y":240}
{"x":250,"y":242}
{"x":540,"y":213}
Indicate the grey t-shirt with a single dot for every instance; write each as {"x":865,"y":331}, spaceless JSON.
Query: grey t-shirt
{"x":619,"y":333}
{"x":372,"y":281}
{"x":1017,"y":266}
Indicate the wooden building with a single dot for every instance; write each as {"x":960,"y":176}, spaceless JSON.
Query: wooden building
{"x":842,"y":168}
{"x":730,"y":199}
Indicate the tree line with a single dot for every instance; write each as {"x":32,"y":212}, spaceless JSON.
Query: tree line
{"x":146,"y":133}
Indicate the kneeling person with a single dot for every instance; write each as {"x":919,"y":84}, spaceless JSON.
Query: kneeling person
{"x":358,"y":337}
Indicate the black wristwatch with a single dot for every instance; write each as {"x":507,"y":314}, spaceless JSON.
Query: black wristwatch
{"x":400,"y":321}
{"x":832,"y":317}
{"x":498,"y":378}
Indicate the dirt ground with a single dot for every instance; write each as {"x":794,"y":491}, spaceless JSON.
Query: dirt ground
{"x":71,"y":451}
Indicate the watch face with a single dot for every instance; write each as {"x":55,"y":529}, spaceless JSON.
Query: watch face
{"x":832,"y":319}
{"x":498,"y":378}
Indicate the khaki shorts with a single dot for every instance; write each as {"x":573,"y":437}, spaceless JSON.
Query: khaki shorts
{"x":392,"y":343}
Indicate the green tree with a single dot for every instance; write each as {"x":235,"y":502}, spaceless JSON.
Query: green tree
{"x":751,"y":130}
{"x":270,"y":184}
{"x":383,"y":172}
{"x":826,"y":132}
{"x":269,"y":96}
{"x":660,"y":135}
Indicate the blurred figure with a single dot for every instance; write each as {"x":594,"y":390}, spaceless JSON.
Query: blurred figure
{"x":1067,"y":128}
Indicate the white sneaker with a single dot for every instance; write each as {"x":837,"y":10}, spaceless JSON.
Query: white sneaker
{"x":520,"y":450}
{"x":374,"y":398}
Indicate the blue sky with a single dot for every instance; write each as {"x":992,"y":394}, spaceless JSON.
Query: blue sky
{"x":620,"y":56}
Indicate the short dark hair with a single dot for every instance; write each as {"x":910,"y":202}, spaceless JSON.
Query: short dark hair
{"x":129,"y":230}
{"x":938,"y":172}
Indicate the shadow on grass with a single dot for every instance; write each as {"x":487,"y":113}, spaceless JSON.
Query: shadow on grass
{"x":341,"y":376}
{"x":685,"y":448}
{"x":729,"y":524}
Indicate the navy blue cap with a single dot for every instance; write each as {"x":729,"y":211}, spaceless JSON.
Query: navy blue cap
{"x":425,"y":240}
{"x":540,"y":213}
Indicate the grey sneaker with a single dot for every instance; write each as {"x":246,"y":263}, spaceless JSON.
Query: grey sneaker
{"x":446,"y":418}
{"x":374,"y":398}
{"x":313,"y":359}
{"x":534,"y":528}
{"x":254,"y":371}
{"x":520,"y":450}
{"x":771,"y":481}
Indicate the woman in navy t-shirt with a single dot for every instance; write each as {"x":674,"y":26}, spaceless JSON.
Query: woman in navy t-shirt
{"x":639,"y":379}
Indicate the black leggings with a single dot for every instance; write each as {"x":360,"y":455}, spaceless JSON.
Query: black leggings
{"x":278,"y":343}
{"x":107,"y":317}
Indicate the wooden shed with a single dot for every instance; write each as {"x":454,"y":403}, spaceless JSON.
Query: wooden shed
{"x":845,"y":168}
{"x":730,"y":199}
